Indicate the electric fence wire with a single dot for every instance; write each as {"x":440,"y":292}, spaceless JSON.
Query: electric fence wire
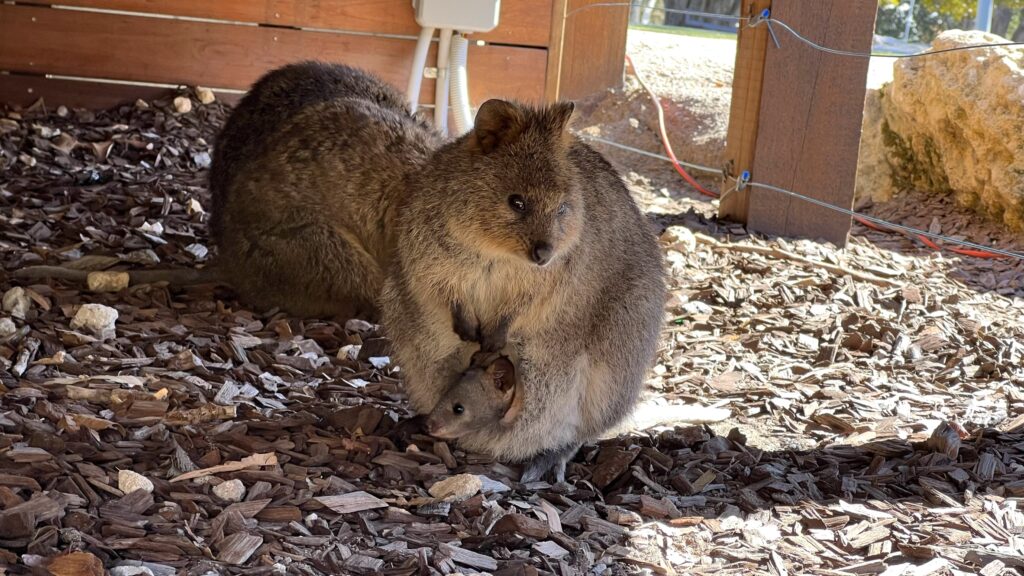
{"x":769,"y":21}
{"x":766,"y":19}
{"x":815,"y":201}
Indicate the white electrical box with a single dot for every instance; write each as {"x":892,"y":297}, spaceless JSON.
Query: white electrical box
{"x":459,"y":15}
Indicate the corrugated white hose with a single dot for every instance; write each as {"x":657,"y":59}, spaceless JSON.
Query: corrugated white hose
{"x":419,"y":60}
{"x":461,"y":111}
{"x":441,"y":87}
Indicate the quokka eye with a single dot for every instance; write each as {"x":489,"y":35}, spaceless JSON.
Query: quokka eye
{"x":563,"y":209}
{"x":458,"y":409}
{"x":517,"y":202}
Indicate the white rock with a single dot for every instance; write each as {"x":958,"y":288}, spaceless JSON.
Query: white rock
{"x":97,"y":319}
{"x":16,"y":302}
{"x":129,"y":481}
{"x":107,"y":281}
{"x":456,"y":488}
{"x":231,"y":491}
{"x":681,"y":238}
{"x":205,"y":95}
{"x":182,"y":105}
{"x":7,"y":327}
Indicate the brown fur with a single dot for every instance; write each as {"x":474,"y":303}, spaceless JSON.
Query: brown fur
{"x":307,"y":177}
{"x":328,"y":194}
{"x":585,"y":325}
{"x":487,"y":394}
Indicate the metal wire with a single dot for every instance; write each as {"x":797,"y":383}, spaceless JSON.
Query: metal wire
{"x":708,"y":169}
{"x":888,"y":224}
{"x":665,"y":10}
{"x":815,"y":201}
{"x":769,"y":21}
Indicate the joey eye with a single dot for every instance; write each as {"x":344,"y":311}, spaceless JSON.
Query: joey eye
{"x":458,"y":409}
{"x":517,"y":202}
{"x":563,"y":209}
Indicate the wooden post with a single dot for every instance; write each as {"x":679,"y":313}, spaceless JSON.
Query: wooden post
{"x":808,"y":128}
{"x":741,"y":139}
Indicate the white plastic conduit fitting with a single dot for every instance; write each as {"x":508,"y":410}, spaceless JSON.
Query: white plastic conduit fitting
{"x":461,"y":112}
{"x":419,"y":60}
{"x":442,"y":86}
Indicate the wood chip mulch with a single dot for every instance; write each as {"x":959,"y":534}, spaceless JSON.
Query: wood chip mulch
{"x":876,"y":426}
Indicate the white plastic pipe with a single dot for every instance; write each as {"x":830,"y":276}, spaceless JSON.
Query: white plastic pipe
{"x":419,"y":60}
{"x":441,"y":87}
{"x":461,"y":112}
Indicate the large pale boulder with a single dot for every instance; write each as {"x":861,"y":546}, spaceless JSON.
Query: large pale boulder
{"x":952,"y":123}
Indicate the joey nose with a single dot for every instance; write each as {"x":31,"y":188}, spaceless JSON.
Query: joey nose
{"x":541,"y":253}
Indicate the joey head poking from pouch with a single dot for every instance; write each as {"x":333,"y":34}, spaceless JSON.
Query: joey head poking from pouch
{"x":486,"y":395}
{"x":520,"y":229}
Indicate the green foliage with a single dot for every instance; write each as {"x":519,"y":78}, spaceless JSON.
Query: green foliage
{"x":933,"y":16}
{"x":955,"y":9}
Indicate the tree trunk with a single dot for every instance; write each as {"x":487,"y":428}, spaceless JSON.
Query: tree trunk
{"x":1001,"y":21}
{"x":1018,"y":36}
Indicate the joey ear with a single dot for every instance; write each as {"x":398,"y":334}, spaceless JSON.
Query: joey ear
{"x":497,"y":122}
{"x":502,"y":373}
{"x":562,"y":114}
{"x":516,"y":406}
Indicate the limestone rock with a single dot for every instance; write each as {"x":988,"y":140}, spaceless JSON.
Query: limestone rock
{"x":17,"y":302}
{"x":874,"y":174}
{"x":107,"y":281}
{"x":95,"y":318}
{"x":7,"y":327}
{"x":205,"y":95}
{"x":456,"y":488}
{"x":231,"y":491}
{"x":954,"y":123}
{"x":182,"y":105}
{"x":129,"y":481}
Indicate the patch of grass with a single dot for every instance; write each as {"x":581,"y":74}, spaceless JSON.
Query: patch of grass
{"x":686,"y":31}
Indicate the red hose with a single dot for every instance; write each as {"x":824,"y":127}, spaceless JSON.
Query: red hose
{"x":664,"y":135}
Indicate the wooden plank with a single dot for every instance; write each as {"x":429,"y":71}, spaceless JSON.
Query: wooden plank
{"x":593,"y":48}
{"x":113,"y":46}
{"x":558,"y":8}
{"x":23,"y":91}
{"x":741,"y":140}
{"x":521,"y":22}
{"x":809,"y":128}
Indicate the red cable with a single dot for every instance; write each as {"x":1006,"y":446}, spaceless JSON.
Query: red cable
{"x":929,"y":243}
{"x":686,"y":176}
{"x":664,"y":135}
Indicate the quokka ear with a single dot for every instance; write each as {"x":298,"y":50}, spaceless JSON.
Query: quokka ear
{"x":561,"y":115}
{"x":502,"y":373}
{"x":497,"y":122}
{"x":515,"y":406}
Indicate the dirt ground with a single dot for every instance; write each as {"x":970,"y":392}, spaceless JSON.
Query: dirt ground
{"x":860,"y":411}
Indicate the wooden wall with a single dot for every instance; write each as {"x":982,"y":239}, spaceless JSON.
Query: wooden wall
{"x":536,"y":53}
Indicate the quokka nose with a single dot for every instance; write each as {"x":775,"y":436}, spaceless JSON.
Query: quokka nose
{"x":541,"y":253}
